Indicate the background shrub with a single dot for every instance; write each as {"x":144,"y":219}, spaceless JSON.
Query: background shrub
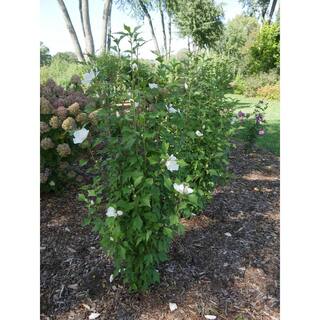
{"x":61,"y":70}
{"x":271,"y":92}
{"x":62,"y":112}
{"x":265,"y":52}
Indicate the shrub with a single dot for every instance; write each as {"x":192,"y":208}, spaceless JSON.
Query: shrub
{"x":265,"y":52}
{"x":61,"y":71}
{"x":250,"y":85}
{"x":57,"y":126}
{"x":271,"y":92}
{"x":252,"y":125}
{"x":163,"y":143}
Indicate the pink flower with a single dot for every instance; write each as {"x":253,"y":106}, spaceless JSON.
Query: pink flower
{"x":261,"y":132}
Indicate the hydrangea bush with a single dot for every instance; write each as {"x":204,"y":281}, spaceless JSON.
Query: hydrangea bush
{"x":163,"y":146}
{"x":63,"y":133}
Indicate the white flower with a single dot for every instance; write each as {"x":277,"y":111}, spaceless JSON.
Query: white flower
{"x":171,"y":109}
{"x":228,"y":234}
{"x":134,"y":66}
{"x":80,"y":135}
{"x":199,"y":133}
{"x":111,"y":239}
{"x":233,"y":120}
{"x":136,"y":104}
{"x":94,"y":315}
{"x":173,"y":306}
{"x":111,"y":278}
{"x":117,"y":114}
{"x":52,"y":184}
{"x":88,"y":77}
{"x":172,"y":164}
{"x":182,"y":188}
{"x":153,"y":86}
{"x":112,"y":212}
{"x":186,"y":86}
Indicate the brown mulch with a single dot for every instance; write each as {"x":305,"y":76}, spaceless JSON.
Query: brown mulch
{"x":209,"y":273}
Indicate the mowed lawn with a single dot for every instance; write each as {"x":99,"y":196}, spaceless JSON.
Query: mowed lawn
{"x":271,"y":140}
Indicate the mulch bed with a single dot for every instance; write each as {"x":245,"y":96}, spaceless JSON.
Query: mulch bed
{"x":226,"y":264}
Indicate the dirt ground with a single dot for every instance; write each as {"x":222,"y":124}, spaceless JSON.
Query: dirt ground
{"x":226,"y":264}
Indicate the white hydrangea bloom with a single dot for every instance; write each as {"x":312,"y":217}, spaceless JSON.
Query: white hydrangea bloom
{"x":199,"y":133}
{"x":172,"y":164}
{"x":182,"y":188}
{"x":80,"y":135}
{"x":153,"y":86}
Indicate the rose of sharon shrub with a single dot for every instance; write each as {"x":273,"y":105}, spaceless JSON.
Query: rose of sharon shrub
{"x":165,"y":145}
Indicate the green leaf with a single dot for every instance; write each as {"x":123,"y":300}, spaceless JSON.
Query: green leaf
{"x":137,"y":177}
{"x":174,"y":219}
{"x":83,"y":162}
{"x":82,"y":197}
{"x":153,"y":159}
{"x":148,"y":234}
{"x":137,"y":223}
{"x":145,"y":200}
{"x":167,"y":183}
{"x":91,"y":193}
{"x":127,"y":28}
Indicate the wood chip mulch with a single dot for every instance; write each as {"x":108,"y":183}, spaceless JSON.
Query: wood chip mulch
{"x":226,"y":264}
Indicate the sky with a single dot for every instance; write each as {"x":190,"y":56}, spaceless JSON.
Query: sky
{"x":54,"y":35}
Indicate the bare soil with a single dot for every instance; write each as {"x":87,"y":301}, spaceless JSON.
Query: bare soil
{"x":226,"y":264}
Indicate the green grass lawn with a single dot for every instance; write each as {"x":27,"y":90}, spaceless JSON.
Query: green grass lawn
{"x":271,"y":140}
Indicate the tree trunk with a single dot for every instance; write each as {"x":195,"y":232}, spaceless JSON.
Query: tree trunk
{"x":81,"y":18}
{"x":274,"y":3}
{"x":163,"y":29}
{"x":71,"y":30}
{"x":109,"y":27}
{"x":87,"y":28}
{"x":145,"y":11}
{"x":170,"y":34}
{"x":105,"y":16}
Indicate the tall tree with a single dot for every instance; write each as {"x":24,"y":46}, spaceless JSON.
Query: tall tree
{"x":162,"y":9}
{"x":273,"y":6}
{"x":106,"y":16}
{"x":109,"y":27}
{"x":141,"y":9}
{"x":45,"y":56}
{"x":256,"y":8}
{"x":87,"y":28}
{"x":147,"y":15}
{"x":201,"y":20}
{"x":71,"y":30}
